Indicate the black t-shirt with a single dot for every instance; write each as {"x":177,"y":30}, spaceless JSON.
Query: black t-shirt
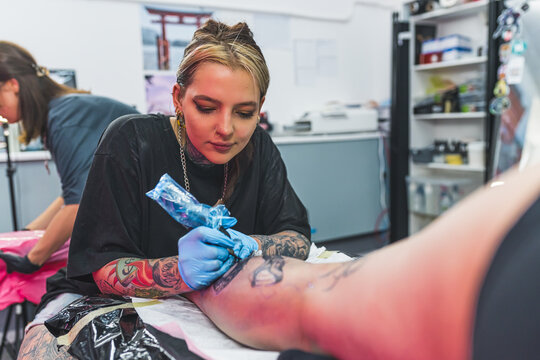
{"x":116,"y":219}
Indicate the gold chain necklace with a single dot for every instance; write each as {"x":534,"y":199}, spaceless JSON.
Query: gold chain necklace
{"x":184,"y":169}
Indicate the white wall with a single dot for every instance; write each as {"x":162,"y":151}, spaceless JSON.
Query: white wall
{"x":101,"y":40}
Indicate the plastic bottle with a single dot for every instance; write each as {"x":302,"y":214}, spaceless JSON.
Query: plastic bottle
{"x":446,"y":199}
{"x":431,"y":202}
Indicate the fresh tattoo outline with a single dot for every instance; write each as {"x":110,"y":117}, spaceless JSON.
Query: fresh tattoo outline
{"x":268,"y":273}
{"x":342,"y":271}
{"x":226,"y":279}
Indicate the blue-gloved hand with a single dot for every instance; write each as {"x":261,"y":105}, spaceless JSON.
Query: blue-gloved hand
{"x":243,"y":245}
{"x":203,"y":256}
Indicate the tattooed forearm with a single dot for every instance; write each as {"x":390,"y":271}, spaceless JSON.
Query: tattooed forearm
{"x":287,"y":243}
{"x":343,"y":270}
{"x":141,"y":277}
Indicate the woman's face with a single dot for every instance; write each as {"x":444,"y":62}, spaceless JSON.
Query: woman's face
{"x":221,"y":108}
{"x":9,"y":100}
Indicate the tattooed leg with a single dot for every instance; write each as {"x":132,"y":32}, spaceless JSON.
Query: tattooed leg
{"x":40,"y":344}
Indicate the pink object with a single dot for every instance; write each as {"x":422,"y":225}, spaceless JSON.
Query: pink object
{"x":16,"y":287}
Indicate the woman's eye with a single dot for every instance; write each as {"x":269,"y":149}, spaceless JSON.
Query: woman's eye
{"x":204,"y":109}
{"x":245,"y":115}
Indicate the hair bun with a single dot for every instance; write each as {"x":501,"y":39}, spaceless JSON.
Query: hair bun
{"x":219,"y":31}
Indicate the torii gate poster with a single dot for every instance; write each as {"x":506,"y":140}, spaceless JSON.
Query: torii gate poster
{"x":165,"y":34}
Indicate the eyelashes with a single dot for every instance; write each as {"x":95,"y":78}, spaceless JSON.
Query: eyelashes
{"x":246,"y":115}
{"x":203,"y":109}
{"x":209,"y":110}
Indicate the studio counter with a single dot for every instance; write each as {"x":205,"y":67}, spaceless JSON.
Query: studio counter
{"x":337,"y":177}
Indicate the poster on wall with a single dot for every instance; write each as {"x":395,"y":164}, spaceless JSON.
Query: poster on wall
{"x":158,"y":89}
{"x":166,"y":31}
{"x":512,"y":130}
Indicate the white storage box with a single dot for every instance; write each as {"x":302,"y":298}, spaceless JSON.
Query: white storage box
{"x":456,"y":54}
{"x":454,"y":41}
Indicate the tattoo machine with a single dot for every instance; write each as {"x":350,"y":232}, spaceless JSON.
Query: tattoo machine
{"x":187,"y":210}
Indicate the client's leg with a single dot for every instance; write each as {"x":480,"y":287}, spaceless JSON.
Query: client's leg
{"x":40,"y":344}
{"x":413,"y":300}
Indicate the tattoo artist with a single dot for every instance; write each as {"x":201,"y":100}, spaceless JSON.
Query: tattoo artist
{"x":69,"y":122}
{"x":125,"y":244}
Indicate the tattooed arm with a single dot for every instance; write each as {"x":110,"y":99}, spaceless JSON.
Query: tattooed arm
{"x":149,"y":278}
{"x":286,"y":243}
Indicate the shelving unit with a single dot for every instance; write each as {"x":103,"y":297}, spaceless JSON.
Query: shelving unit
{"x":452,"y":116}
{"x":471,"y":19}
{"x":449,"y":167}
{"x":449,"y":64}
{"x":424,"y":215}
{"x":451,"y":13}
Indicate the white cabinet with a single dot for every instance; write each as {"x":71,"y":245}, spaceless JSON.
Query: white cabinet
{"x":340,"y":180}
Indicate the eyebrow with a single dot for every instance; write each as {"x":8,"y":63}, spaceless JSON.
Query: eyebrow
{"x":207,"y":98}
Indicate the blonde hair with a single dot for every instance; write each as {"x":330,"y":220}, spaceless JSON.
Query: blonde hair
{"x":232,"y":46}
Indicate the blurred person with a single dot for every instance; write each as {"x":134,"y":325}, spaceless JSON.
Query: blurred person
{"x":70,"y":123}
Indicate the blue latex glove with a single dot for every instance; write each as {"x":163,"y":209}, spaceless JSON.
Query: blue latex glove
{"x":203,"y":256}
{"x":243,"y":245}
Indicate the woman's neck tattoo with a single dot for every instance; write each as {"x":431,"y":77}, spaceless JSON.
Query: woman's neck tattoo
{"x":195,"y":155}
